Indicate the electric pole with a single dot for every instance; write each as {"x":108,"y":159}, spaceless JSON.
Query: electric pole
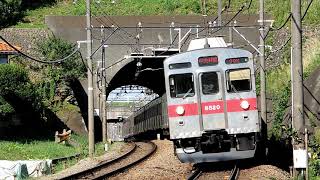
{"x":219,"y":13}
{"x":263,"y":104}
{"x":90,"y":81}
{"x":299,"y":149}
{"x":104,"y":97}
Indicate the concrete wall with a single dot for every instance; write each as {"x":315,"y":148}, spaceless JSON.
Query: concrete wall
{"x":72,"y":28}
{"x":113,"y":112}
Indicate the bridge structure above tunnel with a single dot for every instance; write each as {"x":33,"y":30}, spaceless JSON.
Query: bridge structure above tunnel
{"x":130,"y":50}
{"x":135,"y":46}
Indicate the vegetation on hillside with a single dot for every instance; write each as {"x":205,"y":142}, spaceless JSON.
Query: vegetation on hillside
{"x":15,"y":85}
{"x":54,"y":78}
{"x":37,"y":90}
{"x":26,"y":13}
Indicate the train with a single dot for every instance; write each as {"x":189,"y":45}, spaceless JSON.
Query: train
{"x":209,"y":109}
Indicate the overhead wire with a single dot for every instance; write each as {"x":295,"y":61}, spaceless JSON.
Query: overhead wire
{"x":224,"y":9}
{"x":234,"y":16}
{"x":288,"y":40}
{"x":279,"y":28}
{"x":39,"y":60}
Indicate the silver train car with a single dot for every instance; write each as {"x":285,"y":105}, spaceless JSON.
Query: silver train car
{"x":209,"y":110}
{"x":212,"y":104}
{"x":149,"y":120}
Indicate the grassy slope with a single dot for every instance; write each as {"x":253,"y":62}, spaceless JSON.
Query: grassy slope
{"x":11,"y":150}
{"x":45,"y":149}
{"x":278,"y":9}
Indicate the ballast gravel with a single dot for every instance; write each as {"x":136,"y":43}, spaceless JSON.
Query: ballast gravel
{"x":161,"y":165}
{"x":164,"y":165}
{"x":116,"y":151}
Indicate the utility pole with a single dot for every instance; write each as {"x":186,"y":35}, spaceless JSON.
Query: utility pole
{"x":299,"y":149}
{"x":219,"y":13}
{"x":263,"y":104}
{"x":90,"y":81}
{"x":104,"y":97}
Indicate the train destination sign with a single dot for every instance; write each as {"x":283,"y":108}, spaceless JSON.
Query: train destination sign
{"x":237,"y":60}
{"x":180,"y":65}
{"x":208,"y":61}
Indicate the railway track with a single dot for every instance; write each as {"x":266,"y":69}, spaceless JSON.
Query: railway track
{"x":234,"y":173}
{"x":200,"y":173}
{"x":195,"y":174}
{"x":138,"y":153}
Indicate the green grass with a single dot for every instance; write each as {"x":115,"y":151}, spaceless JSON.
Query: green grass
{"x":16,"y":150}
{"x":47,"y":149}
{"x":279,"y":10}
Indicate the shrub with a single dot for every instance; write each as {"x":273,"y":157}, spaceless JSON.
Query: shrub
{"x":15,"y":84}
{"x":10,"y":12}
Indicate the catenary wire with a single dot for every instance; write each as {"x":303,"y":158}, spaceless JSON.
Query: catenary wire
{"x":38,"y":60}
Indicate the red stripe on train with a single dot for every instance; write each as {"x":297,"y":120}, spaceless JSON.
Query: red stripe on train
{"x":234,"y":105}
{"x":212,"y":107}
{"x":215,"y":107}
{"x":189,"y":110}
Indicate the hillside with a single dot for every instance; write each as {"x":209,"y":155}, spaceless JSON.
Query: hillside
{"x":33,"y":15}
{"x":27,"y":14}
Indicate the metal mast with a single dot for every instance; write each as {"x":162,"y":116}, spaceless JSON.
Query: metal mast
{"x":90,"y":81}
{"x":297,"y":76}
{"x":219,"y":13}
{"x":104,"y":97}
{"x":263,"y":104}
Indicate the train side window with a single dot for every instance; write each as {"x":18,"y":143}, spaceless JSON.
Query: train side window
{"x":210,"y":83}
{"x":238,"y":80}
{"x":181,"y":85}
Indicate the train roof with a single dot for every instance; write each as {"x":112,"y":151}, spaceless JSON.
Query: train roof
{"x":214,"y":42}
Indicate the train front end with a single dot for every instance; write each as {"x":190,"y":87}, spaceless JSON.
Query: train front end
{"x":212,"y":104}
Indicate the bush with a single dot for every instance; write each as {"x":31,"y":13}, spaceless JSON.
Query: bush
{"x":10,"y":12}
{"x":14,"y":83}
{"x":55,"y":48}
{"x":315,"y":151}
{"x":12,"y":77}
{"x":55,"y":87}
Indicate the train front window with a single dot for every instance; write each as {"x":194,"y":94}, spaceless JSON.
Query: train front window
{"x":238,"y":80}
{"x":210,"y":83}
{"x":181,"y":85}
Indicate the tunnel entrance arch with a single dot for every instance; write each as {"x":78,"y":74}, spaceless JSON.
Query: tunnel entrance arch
{"x":146,"y":72}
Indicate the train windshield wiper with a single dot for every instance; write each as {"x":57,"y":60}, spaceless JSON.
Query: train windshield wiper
{"x":187,"y":93}
{"x":233,"y":88}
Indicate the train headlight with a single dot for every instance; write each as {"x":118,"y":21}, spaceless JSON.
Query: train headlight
{"x":180,"y":110}
{"x":244,"y":105}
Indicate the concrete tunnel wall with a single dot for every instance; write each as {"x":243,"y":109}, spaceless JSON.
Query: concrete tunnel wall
{"x":72,"y":28}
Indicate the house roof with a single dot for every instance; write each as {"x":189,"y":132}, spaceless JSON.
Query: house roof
{"x":6,"y":49}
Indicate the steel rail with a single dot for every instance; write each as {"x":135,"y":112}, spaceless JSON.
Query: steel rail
{"x":195,"y":174}
{"x":103,"y":164}
{"x":153,"y":149}
{"x":234,"y":173}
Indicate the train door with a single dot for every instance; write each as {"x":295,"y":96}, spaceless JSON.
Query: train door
{"x":212,"y":101}
{"x":183,"y":107}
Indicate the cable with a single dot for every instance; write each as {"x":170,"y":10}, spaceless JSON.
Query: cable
{"x":84,"y":63}
{"x":112,"y":21}
{"x":174,"y":39}
{"x":282,"y":46}
{"x":279,"y":28}
{"x":241,"y":9}
{"x":104,"y":41}
{"x":38,"y":60}
{"x":307,"y":9}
